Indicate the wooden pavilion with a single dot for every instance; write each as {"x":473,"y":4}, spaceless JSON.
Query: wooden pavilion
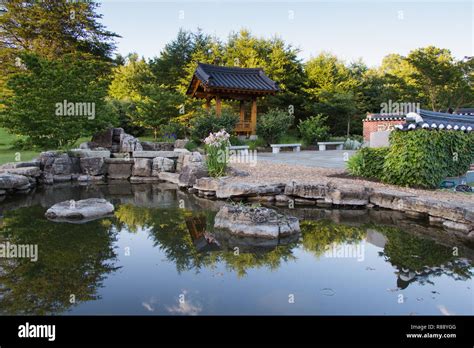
{"x":231,"y":83}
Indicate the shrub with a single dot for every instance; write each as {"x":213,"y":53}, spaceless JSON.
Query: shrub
{"x":207,"y":123}
{"x":174,"y":130}
{"x":314,"y":129}
{"x":216,"y":149}
{"x":423,"y":158}
{"x":274,"y":124}
{"x":368,"y":162}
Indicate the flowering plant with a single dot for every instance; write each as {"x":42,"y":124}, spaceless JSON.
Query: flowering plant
{"x":216,"y":145}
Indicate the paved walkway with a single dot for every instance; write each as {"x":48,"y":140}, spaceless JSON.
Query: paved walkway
{"x":323,"y":159}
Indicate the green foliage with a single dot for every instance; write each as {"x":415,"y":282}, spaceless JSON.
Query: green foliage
{"x":314,"y":129}
{"x":206,"y":123}
{"x":321,"y":234}
{"x":73,"y":260}
{"x":254,"y":144}
{"x":174,"y":130}
{"x":368,"y":162}
{"x":216,"y":160}
{"x":272,"y":125}
{"x":423,"y":158}
{"x":34,"y":110}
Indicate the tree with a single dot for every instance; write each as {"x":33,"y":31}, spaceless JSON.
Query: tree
{"x":272,"y":125}
{"x":435,"y":73}
{"x":169,"y":67}
{"x":156,"y":107}
{"x":51,"y":29}
{"x":331,"y":89}
{"x":55,"y":102}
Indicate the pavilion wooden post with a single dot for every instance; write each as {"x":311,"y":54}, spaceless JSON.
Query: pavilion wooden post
{"x":218,"y":106}
{"x":242,"y":111}
{"x":253,"y":116}
{"x":208,"y":105}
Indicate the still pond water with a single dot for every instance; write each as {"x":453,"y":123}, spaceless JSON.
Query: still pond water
{"x":160,"y":255}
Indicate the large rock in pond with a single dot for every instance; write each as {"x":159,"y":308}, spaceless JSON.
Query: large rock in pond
{"x":13,"y":182}
{"x":258,"y":222}
{"x":238,"y":189}
{"x":119,"y":168}
{"x":190,"y":173}
{"x":92,"y":165}
{"x":103,"y":139}
{"x":26,"y":171}
{"x":129,"y":143}
{"x":142,"y":167}
{"x":162,"y":164}
{"x":80,"y":211}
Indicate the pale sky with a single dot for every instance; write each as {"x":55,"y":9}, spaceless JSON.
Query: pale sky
{"x":351,"y":29}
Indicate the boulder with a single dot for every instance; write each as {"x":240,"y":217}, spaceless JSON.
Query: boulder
{"x":188,"y":158}
{"x":170,"y":177}
{"x":61,"y":165}
{"x":189,"y":174}
{"x":129,"y":143}
{"x":46,"y":178}
{"x":237,"y":189}
{"x":309,"y":191}
{"x":160,"y":146}
{"x":92,"y":165}
{"x":80,"y":211}
{"x":12,"y":181}
{"x":90,"y":153}
{"x":119,"y":168}
{"x":26,"y":171}
{"x":162,"y":164}
{"x":62,"y":177}
{"x":142,"y":167}
{"x":46,"y":160}
{"x":347,"y":194}
{"x":208,"y":184}
{"x":258,"y":222}
{"x":103,"y":139}
{"x":180,"y":143}
{"x":153,"y":154}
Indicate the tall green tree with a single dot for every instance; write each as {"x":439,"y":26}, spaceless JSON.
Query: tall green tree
{"x":442,"y":80}
{"x":40,"y":90}
{"x":331,"y":88}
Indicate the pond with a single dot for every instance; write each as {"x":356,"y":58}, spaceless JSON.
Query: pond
{"x":159,"y":254}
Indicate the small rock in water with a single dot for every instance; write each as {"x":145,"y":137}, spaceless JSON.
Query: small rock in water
{"x":80,"y":211}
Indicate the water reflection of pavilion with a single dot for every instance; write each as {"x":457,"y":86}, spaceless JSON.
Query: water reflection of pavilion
{"x":202,"y":240}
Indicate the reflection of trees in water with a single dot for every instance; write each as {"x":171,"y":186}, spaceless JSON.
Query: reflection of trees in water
{"x":319,"y":234}
{"x":421,"y":259}
{"x":72,"y":259}
{"x":180,"y":234}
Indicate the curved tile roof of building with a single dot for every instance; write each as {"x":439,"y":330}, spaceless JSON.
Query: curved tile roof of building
{"x":440,"y":120}
{"x":222,"y":77}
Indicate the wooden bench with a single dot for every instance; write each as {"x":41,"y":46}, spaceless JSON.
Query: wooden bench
{"x":322,"y":145}
{"x":276,"y":147}
{"x":243,"y":149}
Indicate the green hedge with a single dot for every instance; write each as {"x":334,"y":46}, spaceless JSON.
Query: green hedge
{"x":368,"y":162}
{"x":420,"y":158}
{"x":423,"y":158}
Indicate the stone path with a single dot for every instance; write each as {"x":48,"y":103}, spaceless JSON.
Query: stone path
{"x":323,"y":159}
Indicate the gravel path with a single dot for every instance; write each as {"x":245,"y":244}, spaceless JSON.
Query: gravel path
{"x":282,"y":173}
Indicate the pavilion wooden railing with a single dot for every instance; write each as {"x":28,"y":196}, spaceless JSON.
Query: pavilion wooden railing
{"x":243,"y":127}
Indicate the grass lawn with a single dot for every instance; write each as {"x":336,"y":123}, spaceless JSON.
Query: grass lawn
{"x":8,"y":154}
